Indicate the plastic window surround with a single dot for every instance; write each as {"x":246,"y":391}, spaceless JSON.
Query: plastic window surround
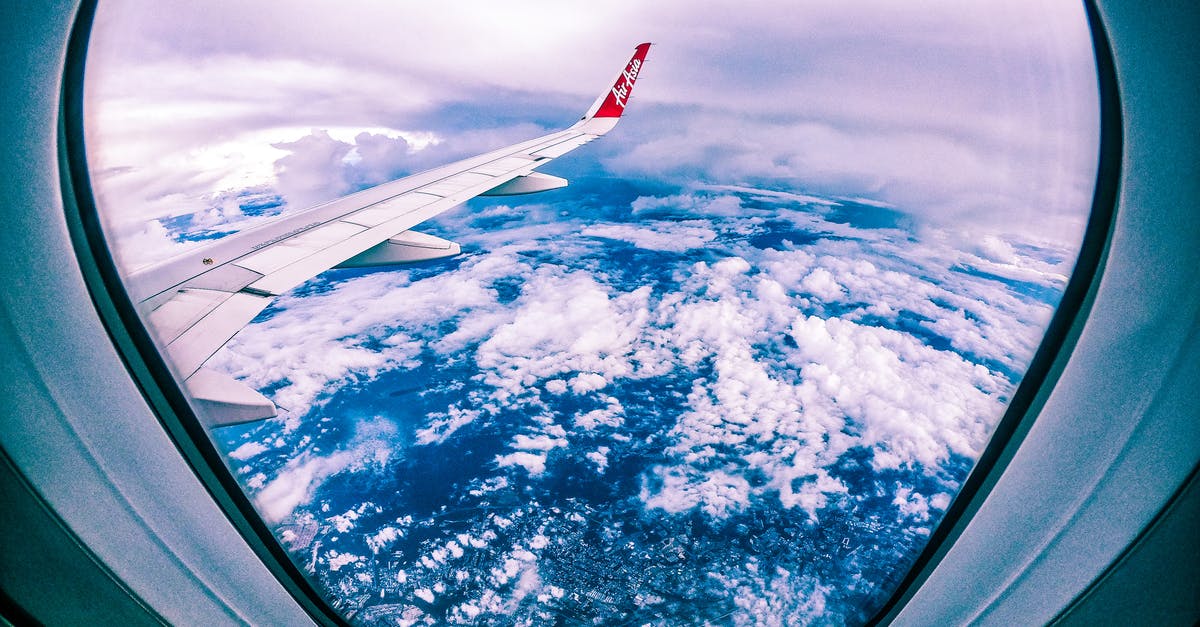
{"x":142,"y":360}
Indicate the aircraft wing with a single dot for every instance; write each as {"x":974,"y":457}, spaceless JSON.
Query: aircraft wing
{"x":197,"y":302}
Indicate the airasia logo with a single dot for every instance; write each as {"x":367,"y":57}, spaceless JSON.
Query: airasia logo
{"x":617,"y":97}
{"x":621,"y":90}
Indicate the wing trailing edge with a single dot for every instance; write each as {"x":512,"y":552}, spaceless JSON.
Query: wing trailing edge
{"x":225,"y":401}
{"x":528,"y":184}
{"x":407,"y":247}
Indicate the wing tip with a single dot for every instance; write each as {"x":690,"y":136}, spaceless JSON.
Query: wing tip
{"x":611,"y":104}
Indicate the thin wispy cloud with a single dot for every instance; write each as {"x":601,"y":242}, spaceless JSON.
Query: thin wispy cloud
{"x":974,"y":115}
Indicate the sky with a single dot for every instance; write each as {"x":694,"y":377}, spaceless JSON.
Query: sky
{"x":972,"y":116}
{"x":932,"y":164}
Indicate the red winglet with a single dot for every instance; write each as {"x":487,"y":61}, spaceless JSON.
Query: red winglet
{"x":612,"y":104}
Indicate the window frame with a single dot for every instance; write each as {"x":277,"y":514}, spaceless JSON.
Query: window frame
{"x":169,"y":403}
{"x":139,"y":353}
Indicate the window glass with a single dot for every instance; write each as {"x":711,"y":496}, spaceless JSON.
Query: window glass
{"x":735,"y":372}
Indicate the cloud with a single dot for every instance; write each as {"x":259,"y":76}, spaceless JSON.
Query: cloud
{"x":846,"y":342}
{"x":344,"y":522}
{"x":383,"y":538}
{"x":247,"y":450}
{"x":443,"y":425}
{"x":533,"y":463}
{"x":599,"y":457}
{"x":943,"y":179}
{"x":842,"y":385}
{"x":296,"y":483}
{"x":718,"y":494}
{"x":673,"y":238}
{"x":337,"y":560}
{"x":982,"y":117}
{"x":304,"y":348}
{"x":537,"y":443}
{"x":815,"y":358}
{"x":564,"y":323}
{"x":697,"y":204}
{"x":302,"y":175}
{"x":820,"y":283}
{"x":781,"y":598}
{"x":913,"y":403}
{"x":611,"y":416}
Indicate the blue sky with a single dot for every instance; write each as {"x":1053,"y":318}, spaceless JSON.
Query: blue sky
{"x":972,"y":117}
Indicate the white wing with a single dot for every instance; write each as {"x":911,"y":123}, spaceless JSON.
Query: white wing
{"x":197,"y":302}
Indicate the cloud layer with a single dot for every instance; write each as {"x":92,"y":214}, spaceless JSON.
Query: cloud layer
{"x":783,"y":363}
{"x":963,"y":114}
{"x":791,"y":294}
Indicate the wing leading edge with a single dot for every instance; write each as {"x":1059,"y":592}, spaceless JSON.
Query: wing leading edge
{"x":197,"y":302}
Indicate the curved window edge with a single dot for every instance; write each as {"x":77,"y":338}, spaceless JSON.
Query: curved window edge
{"x":1057,"y":344}
{"x":145,"y":366}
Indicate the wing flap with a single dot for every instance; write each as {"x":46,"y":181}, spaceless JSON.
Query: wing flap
{"x":527,"y":184}
{"x":561,"y":148}
{"x":390,"y":209}
{"x":226,"y":401}
{"x":514,"y":163}
{"x":407,"y":247}
{"x":187,"y":307}
{"x":459,"y":182}
{"x":303,"y":269}
{"x":202,"y":339}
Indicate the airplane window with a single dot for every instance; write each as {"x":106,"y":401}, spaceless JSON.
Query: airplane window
{"x":735,"y":371}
